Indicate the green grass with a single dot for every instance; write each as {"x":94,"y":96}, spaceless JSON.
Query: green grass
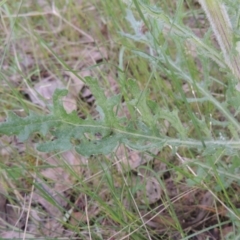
{"x":175,"y":174}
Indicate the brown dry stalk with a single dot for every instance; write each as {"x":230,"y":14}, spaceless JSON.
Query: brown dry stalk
{"x":222,"y":28}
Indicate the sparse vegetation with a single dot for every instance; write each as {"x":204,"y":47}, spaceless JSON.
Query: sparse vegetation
{"x":143,"y":144}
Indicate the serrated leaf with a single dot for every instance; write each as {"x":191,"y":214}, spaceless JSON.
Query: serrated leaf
{"x":172,"y":117}
{"x":103,"y":146}
{"x":62,"y":126}
{"x":92,"y":136}
{"x":23,"y":127}
{"x":140,"y":102}
{"x":102,"y":136}
{"x":106,"y":104}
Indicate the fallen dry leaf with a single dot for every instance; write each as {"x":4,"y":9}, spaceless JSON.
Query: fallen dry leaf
{"x":69,"y":104}
{"x":153,"y":190}
{"x":129,"y":159}
{"x":3,"y":200}
{"x":44,"y":90}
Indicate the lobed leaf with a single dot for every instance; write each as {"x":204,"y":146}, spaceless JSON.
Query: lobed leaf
{"x":102,"y":136}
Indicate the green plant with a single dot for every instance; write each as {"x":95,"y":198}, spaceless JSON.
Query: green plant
{"x":186,"y":101}
{"x":145,"y":132}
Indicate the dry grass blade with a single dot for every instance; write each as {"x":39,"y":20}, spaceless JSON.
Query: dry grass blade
{"x":222,"y":28}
